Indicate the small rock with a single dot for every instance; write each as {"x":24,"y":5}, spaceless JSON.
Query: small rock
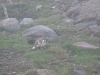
{"x":26,"y":21}
{"x":85,"y":45}
{"x":39,"y":72}
{"x":38,"y":7}
{"x":14,"y":73}
{"x":78,"y":70}
{"x":95,"y":28}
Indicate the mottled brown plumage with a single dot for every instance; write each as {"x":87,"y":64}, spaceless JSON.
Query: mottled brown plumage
{"x":41,"y":42}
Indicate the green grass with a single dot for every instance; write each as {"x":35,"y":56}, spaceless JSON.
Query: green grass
{"x":40,"y":58}
{"x":13,"y":41}
{"x":23,"y":10}
{"x":57,"y":50}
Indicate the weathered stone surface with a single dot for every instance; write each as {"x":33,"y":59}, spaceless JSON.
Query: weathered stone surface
{"x":39,"y":31}
{"x":86,"y":13}
{"x":26,"y":21}
{"x":10,"y":24}
{"x":38,"y":7}
{"x":85,"y":45}
{"x":95,"y":28}
{"x":78,"y":70}
{"x":39,"y":72}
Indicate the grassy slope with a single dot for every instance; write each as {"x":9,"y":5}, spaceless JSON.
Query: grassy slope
{"x":57,"y":50}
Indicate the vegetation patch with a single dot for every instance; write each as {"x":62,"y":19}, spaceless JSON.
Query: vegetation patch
{"x":58,"y":55}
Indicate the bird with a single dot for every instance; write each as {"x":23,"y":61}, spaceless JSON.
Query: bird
{"x":40,"y":43}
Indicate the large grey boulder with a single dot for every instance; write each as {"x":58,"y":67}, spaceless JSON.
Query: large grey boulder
{"x":88,"y":13}
{"x":26,"y":21}
{"x":40,"y":31}
{"x":10,"y":24}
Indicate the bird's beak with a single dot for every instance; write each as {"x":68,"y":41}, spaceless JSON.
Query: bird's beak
{"x":33,"y":47}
